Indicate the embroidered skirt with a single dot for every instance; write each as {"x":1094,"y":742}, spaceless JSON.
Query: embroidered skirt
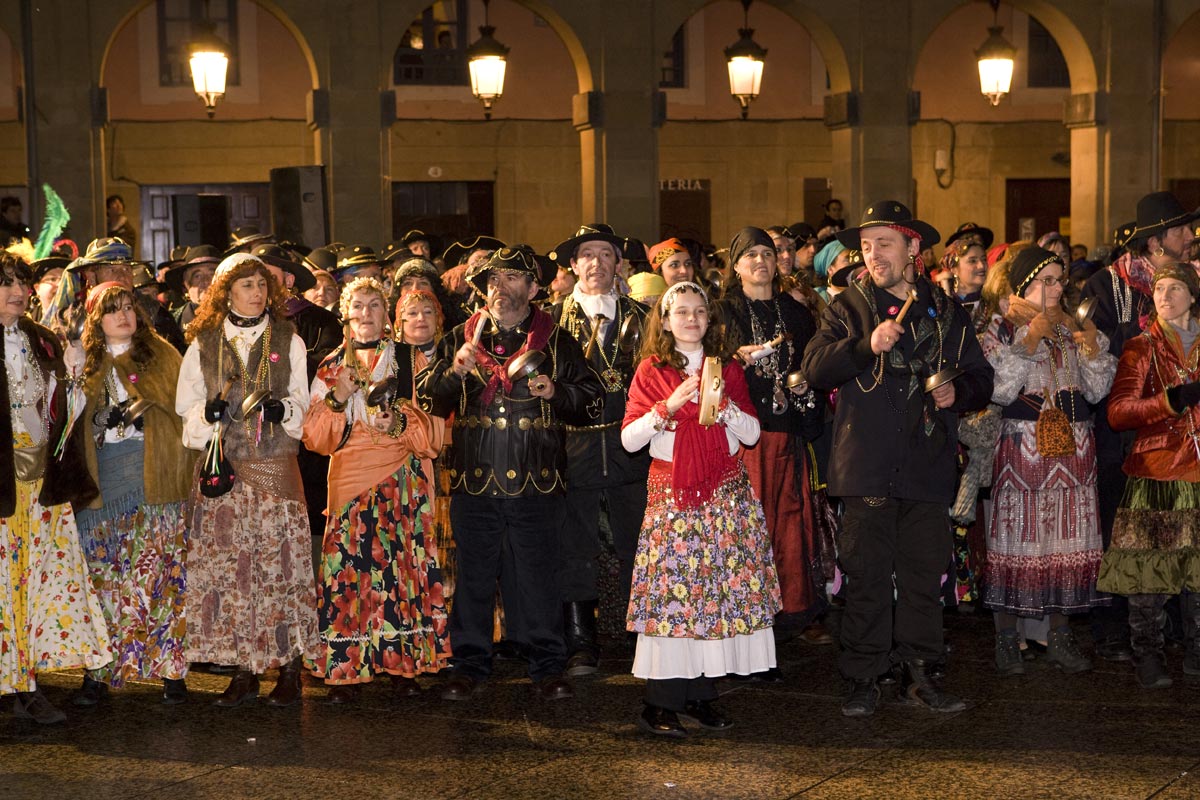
{"x":381,"y":605}
{"x":136,"y":557}
{"x":1043,"y":546}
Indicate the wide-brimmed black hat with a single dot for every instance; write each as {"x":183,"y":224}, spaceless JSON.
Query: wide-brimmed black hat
{"x":841,"y":276}
{"x":395,"y":251}
{"x":275,"y":256}
{"x":884,"y":213}
{"x":800,"y":231}
{"x":44,"y":265}
{"x":520,"y":259}
{"x":246,"y":235}
{"x":633,"y":251}
{"x":143,"y":277}
{"x":463,"y":248}
{"x":596,"y":232}
{"x":194,"y":257}
{"x":1157,"y":212}
{"x":971,"y":229}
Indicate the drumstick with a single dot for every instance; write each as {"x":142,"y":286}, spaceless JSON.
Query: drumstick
{"x":912,"y":295}
{"x":484,"y":317}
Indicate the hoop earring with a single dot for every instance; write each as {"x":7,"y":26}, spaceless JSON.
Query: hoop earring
{"x":1160,"y":252}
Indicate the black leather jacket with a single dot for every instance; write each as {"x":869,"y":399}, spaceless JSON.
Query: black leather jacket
{"x":319,"y":328}
{"x":513,"y":447}
{"x":595,"y":457}
{"x":888,"y":439}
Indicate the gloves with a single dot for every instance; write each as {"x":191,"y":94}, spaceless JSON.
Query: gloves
{"x":1184,"y":396}
{"x":114,"y":417}
{"x":139,"y":424}
{"x":214,"y":410}
{"x":272,"y":411}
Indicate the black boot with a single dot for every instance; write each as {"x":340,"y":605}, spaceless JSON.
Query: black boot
{"x":1146,"y":637}
{"x":583,"y":654}
{"x":1190,"y":606}
{"x":918,"y":687}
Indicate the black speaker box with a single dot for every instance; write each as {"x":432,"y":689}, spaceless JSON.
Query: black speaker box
{"x":299,"y":211}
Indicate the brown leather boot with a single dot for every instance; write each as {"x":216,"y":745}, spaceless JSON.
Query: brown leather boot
{"x":242,"y":689}
{"x":288,"y":689}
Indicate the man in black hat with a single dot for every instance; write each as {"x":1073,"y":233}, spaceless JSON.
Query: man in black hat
{"x":508,"y":465}
{"x":356,"y":261}
{"x":191,"y":277}
{"x":417,"y":243}
{"x":804,"y":239}
{"x":894,"y":451}
{"x":601,"y":476}
{"x":245,"y":238}
{"x":459,"y":260}
{"x":1123,"y":297}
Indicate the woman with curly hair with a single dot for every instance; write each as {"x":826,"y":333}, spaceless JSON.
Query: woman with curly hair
{"x":250,"y":576}
{"x":705,"y":591}
{"x":133,"y":534}
{"x":50,"y":617}
{"x":379,"y":544}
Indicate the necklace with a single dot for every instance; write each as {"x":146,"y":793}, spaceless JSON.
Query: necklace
{"x":24,"y":376}
{"x":768,"y":366}
{"x":610,"y":375}
{"x":1122,"y":300}
{"x":261,"y":379}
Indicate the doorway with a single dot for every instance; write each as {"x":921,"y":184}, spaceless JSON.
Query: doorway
{"x":192,"y":214}
{"x":1035,"y":206}
{"x":685,"y":209}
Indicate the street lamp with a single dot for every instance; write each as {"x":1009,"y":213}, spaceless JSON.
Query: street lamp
{"x":745,"y":61}
{"x":486,"y":59}
{"x":995,"y":57}
{"x":209,"y":63}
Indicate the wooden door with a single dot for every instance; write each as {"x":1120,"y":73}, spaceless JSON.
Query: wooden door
{"x":1041,"y":202}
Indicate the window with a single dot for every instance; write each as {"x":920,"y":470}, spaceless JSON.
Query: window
{"x":433,"y":51}
{"x":1047,"y":67}
{"x":674,"y":63}
{"x":177,"y":22}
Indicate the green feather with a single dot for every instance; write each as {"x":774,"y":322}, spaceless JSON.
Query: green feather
{"x":56,"y":220}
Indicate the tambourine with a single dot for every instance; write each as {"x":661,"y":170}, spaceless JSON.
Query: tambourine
{"x":712,"y":387}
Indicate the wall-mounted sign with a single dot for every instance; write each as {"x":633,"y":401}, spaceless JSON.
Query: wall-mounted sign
{"x":685,"y":185}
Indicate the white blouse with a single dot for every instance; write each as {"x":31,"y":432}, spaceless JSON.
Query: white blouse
{"x":115,"y":434}
{"x":740,"y":427}
{"x":191,"y":394}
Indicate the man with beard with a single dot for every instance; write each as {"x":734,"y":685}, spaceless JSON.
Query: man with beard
{"x":507,"y":467}
{"x":894,"y":451}
{"x":1123,"y":296}
{"x":601,"y":475}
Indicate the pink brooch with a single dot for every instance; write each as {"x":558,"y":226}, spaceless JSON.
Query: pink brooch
{"x":133,"y":378}
{"x":274,"y":357}
{"x":893,"y":311}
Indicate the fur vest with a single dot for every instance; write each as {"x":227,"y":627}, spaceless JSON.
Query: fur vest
{"x":238,"y":441}
{"x":168,"y":466}
{"x":66,"y":479}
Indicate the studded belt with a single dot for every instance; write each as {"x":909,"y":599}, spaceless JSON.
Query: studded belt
{"x":502,"y":423}
{"x":603,"y":426}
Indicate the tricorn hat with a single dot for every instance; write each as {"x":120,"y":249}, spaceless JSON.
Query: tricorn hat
{"x":1157,"y":212}
{"x":463,"y":248}
{"x":520,"y":259}
{"x":275,"y":256}
{"x":596,"y":232}
{"x":246,"y":235}
{"x":195,"y":256}
{"x":970,"y":229}
{"x":887,"y":213}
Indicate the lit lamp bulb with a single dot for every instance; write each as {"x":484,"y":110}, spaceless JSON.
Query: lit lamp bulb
{"x":209,"y":63}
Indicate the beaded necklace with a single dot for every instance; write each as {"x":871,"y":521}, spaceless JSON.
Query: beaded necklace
{"x":768,"y":366}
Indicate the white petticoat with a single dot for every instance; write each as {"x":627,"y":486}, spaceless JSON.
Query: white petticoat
{"x":660,"y":657}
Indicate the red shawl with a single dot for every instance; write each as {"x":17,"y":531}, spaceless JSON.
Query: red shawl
{"x":540,"y":328}
{"x":700,"y":460}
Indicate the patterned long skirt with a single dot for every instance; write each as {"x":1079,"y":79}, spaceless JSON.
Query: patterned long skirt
{"x":50,"y":617}
{"x":1043,"y":546}
{"x":251,"y":592}
{"x":136,"y":557}
{"x":381,"y":605}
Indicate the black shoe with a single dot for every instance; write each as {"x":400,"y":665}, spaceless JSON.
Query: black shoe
{"x":460,"y":687}
{"x":864,"y":696}
{"x":579,"y":631}
{"x":174,"y":692}
{"x":1151,"y":672}
{"x":772,"y":675}
{"x":582,"y":662}
{"x":34,"y":705}
{"x":403,"y":687}
{"x":704,"y":715}
{"x":90,"y":693}
{"x":342,"y":694}
{"x":921,"y":689}
{"x":890,"y":676}
{"x":661,"y":722}
{"x":1114,"y":650}
{"x":556,"y":687}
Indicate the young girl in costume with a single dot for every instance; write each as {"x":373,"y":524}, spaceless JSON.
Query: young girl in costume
{"x":705,"y":590}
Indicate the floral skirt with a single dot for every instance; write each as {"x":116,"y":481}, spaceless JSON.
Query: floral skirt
{"x":704,"y":572}
{"x":1156,"y":540}
{"x":251,"y":593}
{"x":50,"y":617}
{"x":381,"y":605}
{"x":1043,"y":546}
{"x":136,"y":557}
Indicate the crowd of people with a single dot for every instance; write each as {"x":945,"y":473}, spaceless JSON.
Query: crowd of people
{"x":494,"y":445}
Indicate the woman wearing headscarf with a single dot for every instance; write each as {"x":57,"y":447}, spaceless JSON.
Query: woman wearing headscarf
{"x":1044,"y":543}
{"x":769,"y":330}
{"x":50,"y":617}
{"x":133,"y":534}
{"x":250,"y":578}
{"x":1154,"y":544}
{"x":381,"y":606}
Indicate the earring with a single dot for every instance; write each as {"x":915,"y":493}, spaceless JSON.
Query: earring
{"x":1160,"y":252}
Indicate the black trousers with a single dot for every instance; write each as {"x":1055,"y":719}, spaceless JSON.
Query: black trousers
{"x":1110,"y":622}
{"x":674,"y":694}
{"x":579,"y":541}
{"x":882,"y":538}
{"x":518,"y":536}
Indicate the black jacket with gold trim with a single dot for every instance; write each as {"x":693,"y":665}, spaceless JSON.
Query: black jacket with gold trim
{"x":513,"y":447}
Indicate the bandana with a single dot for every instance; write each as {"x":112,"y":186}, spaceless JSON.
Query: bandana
{"x":93,"y":296}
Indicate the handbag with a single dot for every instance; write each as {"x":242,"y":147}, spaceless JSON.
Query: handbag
{"x":216,"y":471}
{"x":1055,"y":434}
